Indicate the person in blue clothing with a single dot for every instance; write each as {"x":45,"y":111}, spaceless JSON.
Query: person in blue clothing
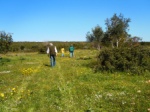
{"x":71,"y":50}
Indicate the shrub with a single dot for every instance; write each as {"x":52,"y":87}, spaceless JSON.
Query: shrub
{"x":135,"y":60}
{"x":4,"y":60}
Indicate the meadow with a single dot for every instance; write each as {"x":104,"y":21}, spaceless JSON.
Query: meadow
{"x":29,"y":84}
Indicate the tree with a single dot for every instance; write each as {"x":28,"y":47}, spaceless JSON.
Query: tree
{"x":89,"y":37}
{"x":117,"y":27}
{"x":96,"y":36}
{"x":134,"y":41}
{"x":5,"y":41}
{"x":106,"y":40}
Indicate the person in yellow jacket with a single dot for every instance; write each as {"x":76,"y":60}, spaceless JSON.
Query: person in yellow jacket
{"x":62,"y":52}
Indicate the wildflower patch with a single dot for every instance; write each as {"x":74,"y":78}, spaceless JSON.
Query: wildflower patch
{"x":28,"y":71}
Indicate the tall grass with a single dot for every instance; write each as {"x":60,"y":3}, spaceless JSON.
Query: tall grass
{"x":31,"y":85}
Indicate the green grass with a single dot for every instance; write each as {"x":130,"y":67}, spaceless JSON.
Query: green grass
{"x":29,"y":84}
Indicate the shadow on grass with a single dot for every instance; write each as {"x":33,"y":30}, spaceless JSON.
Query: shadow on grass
{"x":89,"y":63}
{"x":84,"y":58}
{"x":47,"y":65}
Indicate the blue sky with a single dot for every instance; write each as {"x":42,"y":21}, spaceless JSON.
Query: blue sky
{"x":69,"y":20}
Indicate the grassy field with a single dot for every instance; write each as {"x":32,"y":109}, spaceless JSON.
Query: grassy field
{"x":29,"y":84}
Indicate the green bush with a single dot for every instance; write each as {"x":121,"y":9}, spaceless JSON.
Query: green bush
{"x":135,"y":60}
{"x":42,"y":50}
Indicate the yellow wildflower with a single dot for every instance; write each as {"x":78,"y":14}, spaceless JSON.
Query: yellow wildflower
{"x":13,"y":89}
{"x":2,"y":95}
{"x":22,"y":91}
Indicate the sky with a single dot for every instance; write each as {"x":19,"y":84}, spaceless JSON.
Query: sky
{"x":69,"y":20}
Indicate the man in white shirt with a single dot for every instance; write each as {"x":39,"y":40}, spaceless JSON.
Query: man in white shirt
{"x":52,"y":51}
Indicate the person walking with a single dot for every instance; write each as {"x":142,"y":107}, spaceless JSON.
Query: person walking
{"x":62,"y":52}
{"x":52,"y":52}
{"x":71,"y":50}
